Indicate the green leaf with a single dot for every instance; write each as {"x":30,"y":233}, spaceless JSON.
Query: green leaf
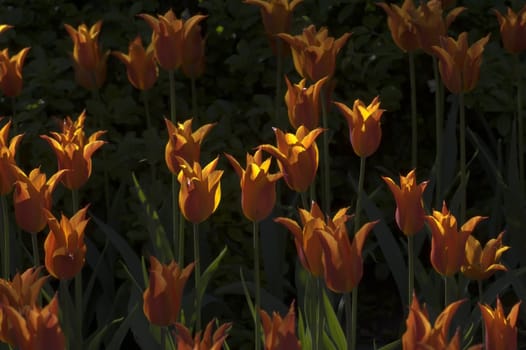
{"x":334,"y":329}
{"x":209,"y":272}
{"x":121,"y":332}
{"x":393,"y":345}
{"x":94,"y":342}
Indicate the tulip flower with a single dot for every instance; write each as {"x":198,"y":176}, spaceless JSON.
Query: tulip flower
{"x":448,"y":244}
{"x":501,"y":331}
{"x":4,"y":27}
{"x":482,"y":263}
{"x":280,"y":333}
{"x":11,"y":72}
{"x":74,"y":151}
{"x":303,"y":104}
{"x":297,"y":156}
{"x":88,"y":59}
{"x":364,"y":125}
{"x":64,"y":245}
{"x":162,"y":298}
{"x":401,"y":26}
{"x":258,"y":186}
{"x":8,"y":173}
{"x":314,"y":52}
{"x":513,"y":29}
{"x":140,"y":64}
{"x":193,"y":52}
{"x":202,"y":341}
{"x":183,"y":143}
{"x":410,"y":215}
{"x":459,"y":64}
{"x":32,"y":197}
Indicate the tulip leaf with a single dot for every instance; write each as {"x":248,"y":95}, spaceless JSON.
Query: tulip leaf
{"x":393,"y":345}
{"x":209,"y":272}
{"x":334,"y":329}
{"x":304,"y":334}
{"x":247,"y":295}
{"x":94,"y":342}
{"x":121,"y":332}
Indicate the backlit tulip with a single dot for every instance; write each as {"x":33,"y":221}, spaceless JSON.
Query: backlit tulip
{"x":32,"y":197}
{"x":193,"y":52}
{"x":314,"y":52}
{"x":364,"y":125}
{"x":64,"y":246}
{"x":402,"y":28}
{"x":258,"y":186}
{"x":162,"y":298}
{"x":459,"y":64}
{"x":513,"y":29}
{"x":410,"y":212}
{"x":482,"y":263}
{"x":8,"y":173}
{"x":202,"y":341}
{"x":4,"y":27}
{"x":74,"y":150}
{"x":501,"y":331}
{"x":297,"y":156}
{"x":183,"y":143}
{"x":200,"y":190}
{"x":11,"y":72}
{"x":303,"y":104}
{"x":140,"y":64}
{"x":448,"y":244}
{"x":280,"y":333}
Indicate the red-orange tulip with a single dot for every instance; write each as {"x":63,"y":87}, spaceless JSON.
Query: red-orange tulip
{"x":303,"y":104}
{"x":11,"y":72}
{"x":206,"y":341}
{"x":193,"y":61}
{"x":8,"y":173}
{"x":162,"y":298}
{"x":140,"y":64}
{"x":513,"y":29}
{"x":280,"y":333}
{"x":482,"y":263}
{"x":399,"y":21}
{"x":501,"y":331}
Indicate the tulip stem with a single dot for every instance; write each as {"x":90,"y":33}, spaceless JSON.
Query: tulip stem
{"x":78,"y":306}
{"x":146,"y":103}
{"x":446,"y":294}
{"x":75,"y":200}
{"x":279,"y":70}
{"x":304,"y":201}
{"x":463,"y":176}
{"x":361,"y":179}
{"x":481,"y":293}
{"x":411,"y":266}
{"x":180,"y":253}
{"x":257,"y":306}
{"x":414,"y":124}
{"x":326,"y":185}
{"x":438,"y":133}
{"x":197,"y":273}
{"x":36,"y":254}
{"x":171,"y":76}
{"x":319,"y":325}
{"x":5,"y":253}
{"x":519,"y":119}
{"x":194,"y":98}
{"x":163,"y":338}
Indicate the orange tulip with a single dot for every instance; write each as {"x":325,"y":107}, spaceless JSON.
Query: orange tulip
{"x":183,"y":143}
{"x":193,"y":61}
{"x":513,"y":30}
{"x":482,"y":263}
{"x":501,"y":331}
{"x":303,"y":103}
{"x":364,"y":125}
{"x":140,"y":64}
{"x":448,"y":244}
{"x":258,"y":186}
{"x":410,"y":215}
{"x":297,"y":156}
{"x":74,"y":151}
{"x":5,"y":27}
{"x":88,"y":59}
{"x":11,"y":72}
{"x":280,"y":333}
{"x":399,"y":21}
{"x":162,"y":298}
{"x":32,"y":197}
{"x":314,"y":52}
{"x":8,"y":173}
{"x":64,"y":246}
{"x":459,"y":64}
{"x":205,"y":341}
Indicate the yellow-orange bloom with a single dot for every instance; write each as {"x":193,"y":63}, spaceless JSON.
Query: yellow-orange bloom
{"x":314,"y":52}
{"x":297,"y":156}
{"x":365,"y":130}
{"x":4,"y":27}
{"x":88,"y":59}
{"x":200,"y":190}
{"x":258,"y":186}
{"x":205,"y":341}
{"x":482,"y":263}
{"x":303,"y":104}
{"x":501,"y":331}
{"x":513,"y":29}
{"x":448,"y":244}
{"x":410,"y":214}
{"x":64,"y":246}
{"x":11,"y":72}
{"x":8,"y":173}
{"x":183,"y":143}
{"x":162,"y":298}
{"x":32,"y":197}
{"x":193,"y":53}
{"x":140,"y":64}
{"x":459,"y":64}
{"x":74,"y":151}
{"x":402,"y":28}
{"x":280,"y":333}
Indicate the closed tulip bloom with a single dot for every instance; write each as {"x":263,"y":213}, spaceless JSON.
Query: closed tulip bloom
{"x":459,"y":64}
{"x":140,"y":64}
{"x":297,"y":156}
{"x":513,"y":29}
{"x":448,"y":243}
{"x":64,"y":246}
{"x":258,"y":186}
{"x":8,"y":173}
{"x":482,"y":263}
{"x":410,"y":214}
{"x":303,"y":104}
{"x":193,"y":62}
{"x":314,"y":52}
{"x":202,"y":341}
{"x":402,"y":28}
{"x":280,"y":333}
{"x":74,"y":150}
{"x":365,"y":130}
{"x":11,"y":72}
{"x":501,"y":331}
{"x":162,"y":298}
{"x":184,"y":143}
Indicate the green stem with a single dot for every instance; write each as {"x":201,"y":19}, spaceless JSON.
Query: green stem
{"x":463,"y":175}
{"x":146,"y":103}
{"x":75,"y":200}
{"x":319,"y":320}
{"x":79,"y":311}
{"x":194,"y":98}
{"x":171,"y":75}
{"x":446,"y":293}
{"x":361,"y":179}
{"x":36,"y":254}
{"x":66,"y":318}
{"x":279,"y":70}
{"x":180,"y":253}
{"x":163,"y":338}
{"x":481,"y":292}
{"x":520,"y":126}
{"x":438,"y":133}
{"x":326,"y":184}
{"x":411,"y":266}
{"x":6,"y":246}
{"x":304,"y":201}
{"x":414,"y":124}
{"x":197,"y":273}
{"x":257,"y":306}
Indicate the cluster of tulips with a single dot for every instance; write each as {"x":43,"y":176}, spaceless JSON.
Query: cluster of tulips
{"x":325,"y":248}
